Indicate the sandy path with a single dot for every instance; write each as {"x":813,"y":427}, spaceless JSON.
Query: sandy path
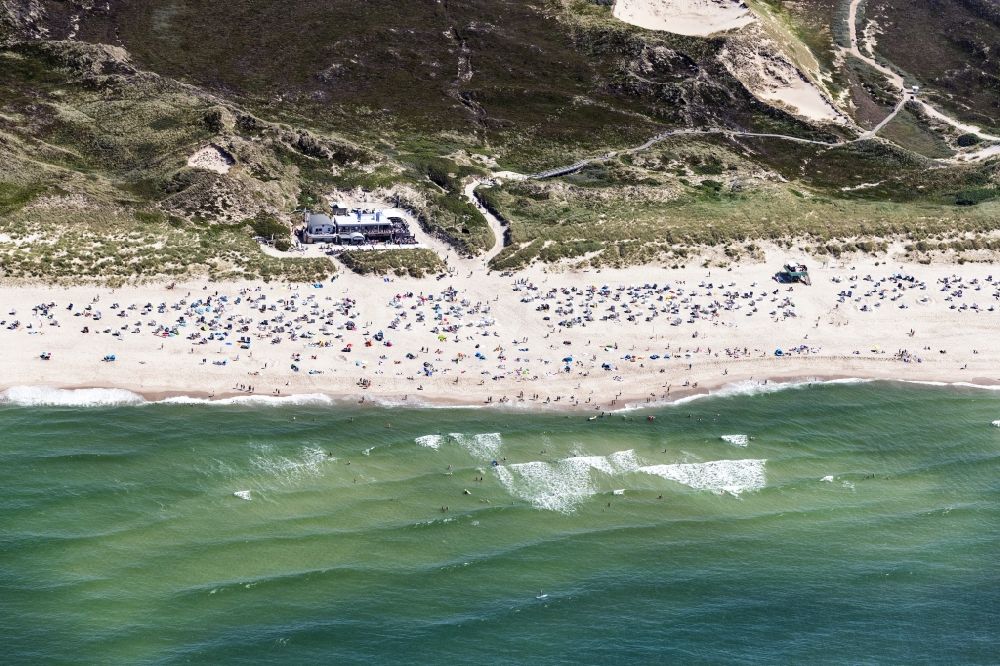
{"x":576,"y":166}
{"x":885,"y":121}
{"x":897,"y":80}
{"x":894,"y":77}
{"x":496,"y":227}
{"x":965,"y":127}
{"x":852,"y":25}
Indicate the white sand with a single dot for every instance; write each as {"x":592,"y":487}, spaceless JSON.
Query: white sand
{"x":211,"y":158}
{"x":979,"y":154}
{"x":755,"y":60}
{"x":698,"y":18}
{"x":856,"y":336}
{"x":801,"y":97}
{"x":758,"y":62}
{"x":508,"y":175}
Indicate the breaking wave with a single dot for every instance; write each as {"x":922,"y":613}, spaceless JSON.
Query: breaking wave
{"x":736,"y":440}
{"x":925,"y":382}
{"x":46,"y":396}
{"x":719,"y":476}
{"x":288,"y":468}
{"x":563,"y":484}
{"x":430,"y":441}
{"x":257,"y":400}
{"x":483,"y":446}
{"x":625,"y":461}
{"x":750,"y":387}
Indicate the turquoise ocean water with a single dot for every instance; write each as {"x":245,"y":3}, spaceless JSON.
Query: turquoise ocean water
{"x":834,"y":523}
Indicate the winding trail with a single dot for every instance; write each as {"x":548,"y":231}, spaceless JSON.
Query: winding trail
{"x":496,"y":226}
{"x":576,"y":166}
{"x":852,"y":26}
{"x":897,"y":80}
{"x":885,"y":121}
{"x":893,"y":76}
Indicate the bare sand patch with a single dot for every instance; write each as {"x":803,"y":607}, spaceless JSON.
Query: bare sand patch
{"x":757,"y":61}
{"x":211,"y":158}
{"x":698,"y":18}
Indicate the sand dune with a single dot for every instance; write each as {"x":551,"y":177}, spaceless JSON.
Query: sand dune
{"x":754,"y":59}
{"x":757,"y":61}
{"x":697,"y":18}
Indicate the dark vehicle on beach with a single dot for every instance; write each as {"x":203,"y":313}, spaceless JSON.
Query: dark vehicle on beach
{"x":792,"y":273}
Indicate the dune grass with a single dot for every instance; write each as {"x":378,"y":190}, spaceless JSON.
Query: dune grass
{"x":412,"y":262}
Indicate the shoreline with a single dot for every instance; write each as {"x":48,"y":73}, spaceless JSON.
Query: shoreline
{"x":91,"y":396}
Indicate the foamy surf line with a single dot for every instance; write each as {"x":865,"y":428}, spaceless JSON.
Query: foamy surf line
{"x":746,"y":388}
{"x":51,"y":396}
{"x":749,"y":388}
{"x":48,"y":396}
{"x":256,"y":400}
{"x":980,"y":387}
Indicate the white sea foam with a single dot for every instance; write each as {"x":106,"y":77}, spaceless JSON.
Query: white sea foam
{"x":563,"y":484}
{"x":736,"y":440}
{"x":981,"y":387}
{"x":590,"y":462}
{"x":429,"y":441}
{"x":46,"y":396}
{"x":551,"y":486}
{"x":243,"y":494}
{"x":256,"y":400}
{"x":750,"y":387}
{"x":42,"y":396}
{"x":828,"y":478}
{"x":719,"y":476}
{"x":290,"y":469}
{"x":624,"y":461}
{"x":996,"y":424}
{"x":484,"y":446}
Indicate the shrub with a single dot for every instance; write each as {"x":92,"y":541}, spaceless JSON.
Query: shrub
{"x":967,"y":140}
{"x":267,"y":225}
{"x":150,"y":216}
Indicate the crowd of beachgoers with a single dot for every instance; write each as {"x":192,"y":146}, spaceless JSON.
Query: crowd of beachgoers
{"x":587,"y":339}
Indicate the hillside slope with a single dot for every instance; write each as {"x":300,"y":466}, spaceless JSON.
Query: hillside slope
{"x":104,"y":105}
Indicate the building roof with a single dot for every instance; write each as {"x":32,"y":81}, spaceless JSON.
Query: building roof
{"x":365,"y":220}
{"x":316,"y":219}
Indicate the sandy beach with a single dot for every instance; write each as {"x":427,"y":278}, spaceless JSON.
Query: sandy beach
{"x":545,"y":337}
